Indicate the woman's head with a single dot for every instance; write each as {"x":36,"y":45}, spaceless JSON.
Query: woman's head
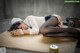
{"x":23,"y":26}
{"x":14,"y":26}
{"x":17,"y":23}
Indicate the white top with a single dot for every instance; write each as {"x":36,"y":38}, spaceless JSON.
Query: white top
{"x":35,"y":22}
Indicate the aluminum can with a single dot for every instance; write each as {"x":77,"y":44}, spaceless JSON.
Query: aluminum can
{"x":53,"y":49}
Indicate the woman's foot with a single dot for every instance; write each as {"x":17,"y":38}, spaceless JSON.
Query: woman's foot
{"x":73,"y":31}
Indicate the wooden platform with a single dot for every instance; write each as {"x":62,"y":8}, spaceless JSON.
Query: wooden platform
{"x":37,"y":42}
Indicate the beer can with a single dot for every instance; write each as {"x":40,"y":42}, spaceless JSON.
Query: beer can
{"x":53,"y":49}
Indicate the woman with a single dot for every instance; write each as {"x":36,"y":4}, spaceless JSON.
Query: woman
{"x":29,"y":26}
{"x":48,"y":25}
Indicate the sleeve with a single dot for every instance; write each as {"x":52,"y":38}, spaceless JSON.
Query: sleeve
{"x":30,"y":21}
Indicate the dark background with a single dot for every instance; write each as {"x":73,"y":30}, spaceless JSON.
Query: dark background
{"x":22,"y":8}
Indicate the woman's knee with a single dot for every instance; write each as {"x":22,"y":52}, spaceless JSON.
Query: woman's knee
{"x":42,"y":31}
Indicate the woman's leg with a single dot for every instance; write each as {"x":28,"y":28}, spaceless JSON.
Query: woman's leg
{"x":50,"y":26}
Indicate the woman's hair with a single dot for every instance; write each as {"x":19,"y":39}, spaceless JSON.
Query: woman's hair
{"x":14,"y":26}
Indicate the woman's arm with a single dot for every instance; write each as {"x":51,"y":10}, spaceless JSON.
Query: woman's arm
{"x":32,"y":22}
{"x":31,"y":32}
{"x":22,"y":32}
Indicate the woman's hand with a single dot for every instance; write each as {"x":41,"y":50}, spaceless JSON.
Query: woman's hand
{"x":16,"y":32}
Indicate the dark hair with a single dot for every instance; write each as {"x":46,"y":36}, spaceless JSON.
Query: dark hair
{"x":14,"y":26}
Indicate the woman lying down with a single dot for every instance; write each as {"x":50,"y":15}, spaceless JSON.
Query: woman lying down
{"x":39,"y":25}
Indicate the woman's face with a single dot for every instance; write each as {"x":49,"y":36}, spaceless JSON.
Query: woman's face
{"x":23,"y":26}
